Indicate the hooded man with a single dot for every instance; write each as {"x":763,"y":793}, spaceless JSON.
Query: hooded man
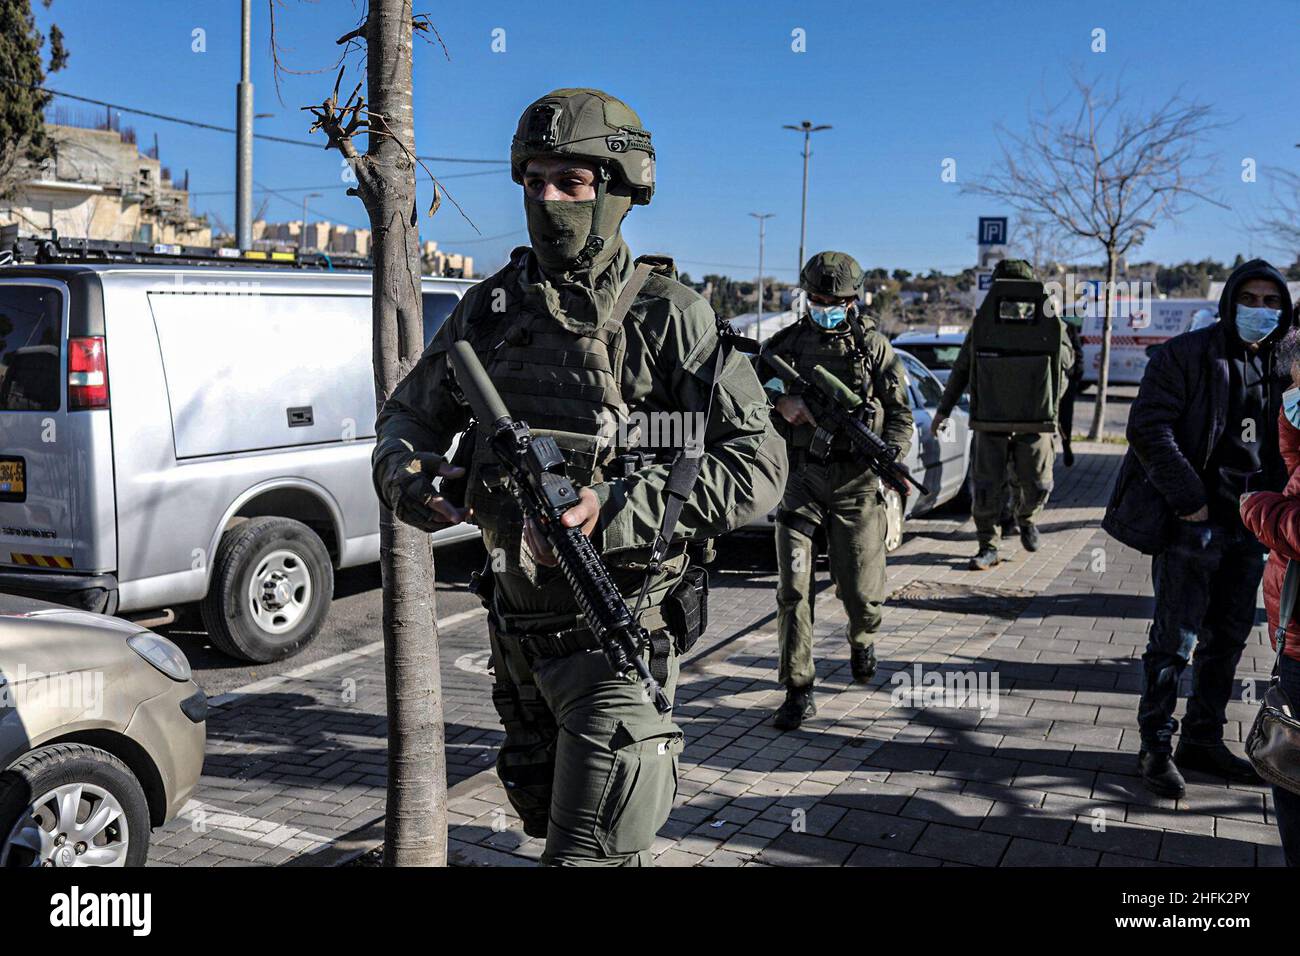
{"x":831,"y":495}
{"x":581,"y":341}
{"x":1201,"y":433}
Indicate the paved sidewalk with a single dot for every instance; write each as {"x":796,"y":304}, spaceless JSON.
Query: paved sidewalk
{"x":1023,"y":755}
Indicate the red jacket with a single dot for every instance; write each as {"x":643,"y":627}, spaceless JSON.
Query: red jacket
{"x":1275,"y":519}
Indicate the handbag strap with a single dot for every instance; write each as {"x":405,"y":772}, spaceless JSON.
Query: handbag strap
{"x":1285,"y":610}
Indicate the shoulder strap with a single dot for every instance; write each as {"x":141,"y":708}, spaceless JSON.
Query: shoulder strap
{"x":1286,"y":609}
{"x":682,"y":475}
{"x":627,"y":295}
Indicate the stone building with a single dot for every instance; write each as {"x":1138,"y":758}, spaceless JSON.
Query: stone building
{"x":99,"y":185}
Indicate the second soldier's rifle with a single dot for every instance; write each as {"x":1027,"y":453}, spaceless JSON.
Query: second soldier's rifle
{"x":833,"y":405}
{"x":535,"y":467}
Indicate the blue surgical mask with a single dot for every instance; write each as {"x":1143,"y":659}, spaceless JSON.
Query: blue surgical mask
{"x":1254,"y":323}
{"x":828,"y":317}
{"x":1291,"y":405}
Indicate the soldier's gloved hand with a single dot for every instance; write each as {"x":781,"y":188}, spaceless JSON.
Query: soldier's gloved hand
{"x":584,"y":514}
{"x":936,"y":423}
{"x":795,"y":410}
{"x":412,"y":496}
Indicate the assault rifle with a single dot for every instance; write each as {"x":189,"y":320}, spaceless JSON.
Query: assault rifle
{"x":833,"y":405}
{"x":536,"y":470}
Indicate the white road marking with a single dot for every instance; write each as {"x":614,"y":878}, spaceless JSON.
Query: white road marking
{"x":306,"y":670}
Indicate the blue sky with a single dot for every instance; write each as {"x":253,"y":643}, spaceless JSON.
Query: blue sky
{"x":904,"y":85}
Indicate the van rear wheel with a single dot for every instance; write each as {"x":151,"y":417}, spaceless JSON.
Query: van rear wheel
{"x":272,"y":583}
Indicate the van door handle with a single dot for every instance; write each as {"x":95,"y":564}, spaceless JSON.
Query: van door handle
{"x":300,"y":417}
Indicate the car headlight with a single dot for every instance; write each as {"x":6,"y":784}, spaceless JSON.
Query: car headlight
{"x":161,"y":653}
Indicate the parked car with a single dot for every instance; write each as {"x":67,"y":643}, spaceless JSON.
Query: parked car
{"x":191,"y":433}
{"x":937,"y":351}
{"x":101,"y":736}
{"x":941,"y":464}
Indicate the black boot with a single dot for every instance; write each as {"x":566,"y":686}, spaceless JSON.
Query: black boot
{"x":1029,"y":537}
{"x":1069,"y":455}
{"x":985,"y":559}
{"x":1216,"y":760}
{"x":797,"y":708}
{"x":863,"y":662}
{"x":1008,"y":527}
{"x":1161,"y":775}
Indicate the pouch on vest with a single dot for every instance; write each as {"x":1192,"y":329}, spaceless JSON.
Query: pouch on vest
{"x":1015,"y":354}
{"x":686,"y":608}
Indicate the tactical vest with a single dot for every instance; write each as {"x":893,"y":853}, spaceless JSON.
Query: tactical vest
{"x":844,"y":355}
{"x":1016,"y":382}
{"x":564,"y":384}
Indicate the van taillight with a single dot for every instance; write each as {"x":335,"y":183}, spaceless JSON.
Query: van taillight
{"x":87,"y":373}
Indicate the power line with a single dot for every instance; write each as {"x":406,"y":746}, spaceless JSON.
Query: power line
{"x":199,"y":124}
{"x":304,"y":189}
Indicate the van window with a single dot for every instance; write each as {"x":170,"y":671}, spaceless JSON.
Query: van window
{"x":437,"y":306}
{"x":31,"y":323}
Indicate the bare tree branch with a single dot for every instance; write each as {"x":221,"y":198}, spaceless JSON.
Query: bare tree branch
{"x":1098,"y":171}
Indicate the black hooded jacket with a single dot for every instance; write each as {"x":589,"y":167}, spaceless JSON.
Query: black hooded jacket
{"x":1179,"y":419}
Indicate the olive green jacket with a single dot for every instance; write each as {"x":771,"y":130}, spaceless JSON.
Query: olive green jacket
{"x":885,"y":387}
{"x":671,"y":337}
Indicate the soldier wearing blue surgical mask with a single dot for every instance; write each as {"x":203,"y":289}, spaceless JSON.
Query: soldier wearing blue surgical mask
{"x":830,"y":496}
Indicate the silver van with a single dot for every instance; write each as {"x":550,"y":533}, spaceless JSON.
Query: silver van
{"x":191,"y":433}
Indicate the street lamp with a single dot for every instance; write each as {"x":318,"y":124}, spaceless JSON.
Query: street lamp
{"x":807,"y":129}
{"x":762,"y":218}
{"x":302,"y":236}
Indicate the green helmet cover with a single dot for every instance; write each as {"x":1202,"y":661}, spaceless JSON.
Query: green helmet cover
{"x":1013,"y":269}
{"x":832,"y":273}
{"x":592,"y":125}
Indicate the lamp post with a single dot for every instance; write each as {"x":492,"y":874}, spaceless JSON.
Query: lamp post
{"x":807,"y":129}
{"x":762,"y":218}
{"x":302,"y":236}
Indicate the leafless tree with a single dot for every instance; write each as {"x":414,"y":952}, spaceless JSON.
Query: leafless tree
{"x":415,"y":828}
{"x":1042,"y":241}
{"x":1283,"y":223}
{"x":1106,"y":172}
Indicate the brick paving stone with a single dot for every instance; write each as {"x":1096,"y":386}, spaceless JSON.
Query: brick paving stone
{"x":978,"y":848}
{"x":1024,"y":852}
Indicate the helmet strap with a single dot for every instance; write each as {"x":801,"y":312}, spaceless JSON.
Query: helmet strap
{"x":595,"y":242}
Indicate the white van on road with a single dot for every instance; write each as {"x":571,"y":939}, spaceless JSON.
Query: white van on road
{"x":173,"y":433}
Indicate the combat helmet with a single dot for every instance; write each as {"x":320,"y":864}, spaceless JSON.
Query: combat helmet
{"x":832,"y":273}
{"x":1013,"y":269}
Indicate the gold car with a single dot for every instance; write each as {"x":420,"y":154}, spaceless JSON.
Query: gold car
{"x":101,"y":736}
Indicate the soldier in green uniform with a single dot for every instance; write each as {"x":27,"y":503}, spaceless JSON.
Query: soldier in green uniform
{"x":831,"y":496}
{"x":579,"y":339}
{"x":1011,"y":471}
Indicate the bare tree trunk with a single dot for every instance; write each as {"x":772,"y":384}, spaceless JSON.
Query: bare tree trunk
{"x":415,"y":827}
{"x":1098,"y":430}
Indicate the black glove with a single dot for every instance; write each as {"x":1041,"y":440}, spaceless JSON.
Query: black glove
{"x":407,"y":488}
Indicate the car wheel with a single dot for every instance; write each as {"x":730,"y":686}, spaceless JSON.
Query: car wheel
{"x":72,"y":805}
{"x":893,"y":519}
{"x":272,"y":583}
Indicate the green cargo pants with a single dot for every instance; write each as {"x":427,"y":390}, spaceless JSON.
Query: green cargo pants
{"x":587,"y":762}
{"x":846,"y":505}
{"x":1029,"y":456}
